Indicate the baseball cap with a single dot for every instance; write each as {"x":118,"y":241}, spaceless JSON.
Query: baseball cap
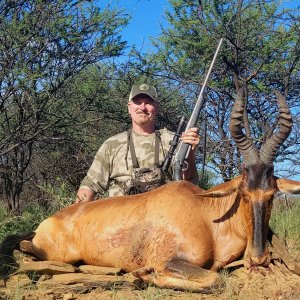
{"x":145,"y":89}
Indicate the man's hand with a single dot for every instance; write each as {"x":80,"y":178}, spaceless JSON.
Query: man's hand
{"x":84,"y":195}
{"x":191,"y":137}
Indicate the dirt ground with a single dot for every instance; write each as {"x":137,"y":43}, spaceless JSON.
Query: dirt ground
{"x":275,"y":282}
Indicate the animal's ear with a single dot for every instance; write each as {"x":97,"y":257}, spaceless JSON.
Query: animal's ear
{"x":288,"y":186}
{"x":223,"y":189}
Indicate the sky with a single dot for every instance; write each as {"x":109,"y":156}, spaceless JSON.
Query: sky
{"x":146,"y":20}
{"x":147,"y":16}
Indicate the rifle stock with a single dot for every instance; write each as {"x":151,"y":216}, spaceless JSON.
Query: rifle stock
{"x":184,"y":149}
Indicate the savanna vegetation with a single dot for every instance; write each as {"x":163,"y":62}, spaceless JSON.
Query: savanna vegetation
{"x":66,"y":72}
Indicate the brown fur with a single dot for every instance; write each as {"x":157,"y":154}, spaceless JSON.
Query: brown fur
{"x":177,"y":225}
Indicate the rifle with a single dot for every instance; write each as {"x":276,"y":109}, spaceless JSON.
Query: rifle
{"x":173,"y":144}
{"x":184,"y":149}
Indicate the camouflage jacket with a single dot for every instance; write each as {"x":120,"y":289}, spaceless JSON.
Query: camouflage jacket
{"x":111,"y":169}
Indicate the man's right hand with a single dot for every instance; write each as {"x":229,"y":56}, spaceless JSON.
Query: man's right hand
{"x":84,"y":195}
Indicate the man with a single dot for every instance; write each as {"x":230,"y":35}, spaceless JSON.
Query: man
{"x":124,"y":161}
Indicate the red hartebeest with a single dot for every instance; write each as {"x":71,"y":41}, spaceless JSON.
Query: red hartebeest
{"x":176,"y":236}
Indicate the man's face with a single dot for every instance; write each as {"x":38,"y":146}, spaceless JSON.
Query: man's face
{"x":142,"y":110}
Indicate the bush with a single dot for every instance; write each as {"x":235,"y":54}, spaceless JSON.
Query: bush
{"x":285,"y":221}
{"x":34,"y":213}
{"x":26,"y":222}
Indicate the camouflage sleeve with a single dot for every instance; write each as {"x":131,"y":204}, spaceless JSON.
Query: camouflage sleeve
{"x":97,"y":177}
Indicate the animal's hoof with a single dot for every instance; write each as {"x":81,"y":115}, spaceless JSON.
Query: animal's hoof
{"x":143,"y":272}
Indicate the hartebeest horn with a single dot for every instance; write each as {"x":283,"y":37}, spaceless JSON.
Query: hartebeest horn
{"x":244,"y":144}
{"x":269,"y":149}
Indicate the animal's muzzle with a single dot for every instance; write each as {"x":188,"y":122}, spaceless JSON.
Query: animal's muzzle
{"x":263,"y":260}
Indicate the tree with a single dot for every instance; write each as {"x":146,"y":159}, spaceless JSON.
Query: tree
{"x":263,"y":53}
{"x":95,"y":100}
{"x":42,"y":45}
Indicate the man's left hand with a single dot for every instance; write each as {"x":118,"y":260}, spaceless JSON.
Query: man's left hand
{"x":191,"y":137}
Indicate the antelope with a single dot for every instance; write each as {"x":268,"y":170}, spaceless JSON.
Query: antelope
{"x":178,"y":235}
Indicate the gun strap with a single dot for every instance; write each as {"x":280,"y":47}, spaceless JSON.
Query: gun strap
{"x":130,"y":144}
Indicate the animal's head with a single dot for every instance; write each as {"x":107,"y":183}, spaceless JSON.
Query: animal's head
{"x":255,"y":188}
{"x":258,"y":183}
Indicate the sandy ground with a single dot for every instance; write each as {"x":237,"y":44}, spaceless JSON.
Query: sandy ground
{"x":275,"y":282}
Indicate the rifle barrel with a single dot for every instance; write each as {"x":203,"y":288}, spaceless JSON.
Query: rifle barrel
{"x":184,"y":149}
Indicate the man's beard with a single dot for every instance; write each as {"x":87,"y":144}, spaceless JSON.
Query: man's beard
{"x":143,"y":119}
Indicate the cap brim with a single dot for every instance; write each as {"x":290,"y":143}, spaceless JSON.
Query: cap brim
{"x":144,"y":93}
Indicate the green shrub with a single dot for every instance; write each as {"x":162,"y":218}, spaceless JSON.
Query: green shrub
{"x":285,"y":222}
{"x":26,"y":222}
{"x":33,"y":213}
{"x":61,"y":196}
{"x":206,"y":180}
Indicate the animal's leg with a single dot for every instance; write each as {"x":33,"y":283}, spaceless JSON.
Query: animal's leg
{"x":181,"y":275}
{"x":28,"y":248}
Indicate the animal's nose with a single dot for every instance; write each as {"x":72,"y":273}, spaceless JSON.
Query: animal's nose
{"x":263,"y":260}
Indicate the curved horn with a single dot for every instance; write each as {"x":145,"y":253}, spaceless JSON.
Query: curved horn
{"x":244,"y":144}
{"x":269,"y":149}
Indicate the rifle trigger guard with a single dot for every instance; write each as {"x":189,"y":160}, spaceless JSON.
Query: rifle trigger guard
{"x":185,"y":166}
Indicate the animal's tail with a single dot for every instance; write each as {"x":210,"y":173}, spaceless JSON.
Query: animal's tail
{"x":11,"y":242}
{"x":7,"y":247}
